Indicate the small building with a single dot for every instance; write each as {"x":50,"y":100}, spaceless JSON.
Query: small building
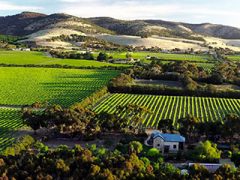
{"x":166,"y":143}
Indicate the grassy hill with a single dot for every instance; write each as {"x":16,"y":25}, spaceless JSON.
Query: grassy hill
{"x":29,"y":22}
{"x":167,"y":28}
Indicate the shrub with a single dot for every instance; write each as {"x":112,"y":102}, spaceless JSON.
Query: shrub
{"x":153,"y":152}
{"x":206,"y":152}
{"x":22,"y":144}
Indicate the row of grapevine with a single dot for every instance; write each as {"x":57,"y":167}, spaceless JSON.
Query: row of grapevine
{"x":20,"y":86}
{"x":10,"y":120}
{"x":173,"y":107}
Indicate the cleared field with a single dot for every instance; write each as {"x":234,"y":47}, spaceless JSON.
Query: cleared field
{"x":9,"y":122}
{"x":161,"y":42}
{"x":20,"y":86}
{"x":39,"y":58}
{"x":173,"y":107}
{"x":163,"y":56}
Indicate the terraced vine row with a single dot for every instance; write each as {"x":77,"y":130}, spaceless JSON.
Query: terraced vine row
{"x":10,"y":120}
{"x":173,"y":107}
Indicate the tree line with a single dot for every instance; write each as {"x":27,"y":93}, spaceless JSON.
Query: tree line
{"x":195,"y":80}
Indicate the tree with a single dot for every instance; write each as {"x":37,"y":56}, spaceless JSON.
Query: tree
{"x":215,"y":78}
{"x":212,"y":130}
{"x":226,"y":171}
{"x":121,"y":80}
{"x":61,"y":167}
{"x":153,"y":153}
{"x":88,"y":56}
{"x":102,"y":56}
{"x":33,"y":119}
{"x":135,"y":147}
{"x":134,"y":114}
{"x":166,"y":125}
{"x":188,"y":127}
{"x":236,"y":158}
{"x":145,"y":35}
{"x":94,"y":170}
{"x":197,"y":171}
{"x":117,"y":122}
{"x":128,"y":55}
{"x":231,"y":126}
{"x":206,"y":152}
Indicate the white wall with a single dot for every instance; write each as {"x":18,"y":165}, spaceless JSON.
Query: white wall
{"x":157,"y":141}
{"x":160,"y":141}
{"x":171,"y":144}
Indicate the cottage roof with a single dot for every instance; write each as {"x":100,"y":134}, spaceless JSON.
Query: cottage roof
{"x":168,"y":137}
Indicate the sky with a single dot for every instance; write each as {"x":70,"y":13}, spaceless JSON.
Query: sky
{"x":192,"y":11}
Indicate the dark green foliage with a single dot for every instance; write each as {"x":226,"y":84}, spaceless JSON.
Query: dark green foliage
{"x":102,"y":57}
{"x":236,"y":158}
{"x":8,"y":39}
{"x":72,"y":55}
{"x":195,"y":81}
{"x":82,"y":122}
{"x":115,"y":121}
{"x":198,"y":171}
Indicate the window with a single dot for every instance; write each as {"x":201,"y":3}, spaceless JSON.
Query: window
{"x":174,"y":146}
{"x":158,"y":145}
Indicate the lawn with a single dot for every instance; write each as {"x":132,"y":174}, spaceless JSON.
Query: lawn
{"x":20,"y":86}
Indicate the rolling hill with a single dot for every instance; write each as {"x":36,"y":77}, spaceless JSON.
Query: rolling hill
{"x":29,"y":22}
{"x":39,"y":28}
{"x":166,"y":28}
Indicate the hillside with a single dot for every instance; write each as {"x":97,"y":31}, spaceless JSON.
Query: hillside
{"x":29,"y":22}
{"x":166,"y":28}
{"x":40,"y":28}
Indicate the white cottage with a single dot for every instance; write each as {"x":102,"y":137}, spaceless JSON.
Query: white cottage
{"x":166,"y":143}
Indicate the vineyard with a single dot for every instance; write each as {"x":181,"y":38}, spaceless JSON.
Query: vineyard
{"x":22,"y":86}
{"x":10,"y":120}
{"x":163,"y":56}
{"x":173,"y":107}
{"x":38,"y":58}
{"x":234,"y":57}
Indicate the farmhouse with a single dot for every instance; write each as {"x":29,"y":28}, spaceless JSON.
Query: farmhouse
{"x":166,"y":143}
